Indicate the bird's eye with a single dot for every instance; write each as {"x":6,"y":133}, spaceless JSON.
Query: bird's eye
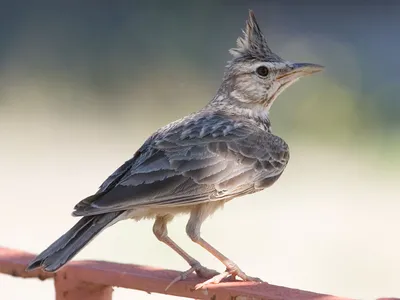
{"x":262,"y":71}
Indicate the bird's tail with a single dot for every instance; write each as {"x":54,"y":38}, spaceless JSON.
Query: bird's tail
{"x":68,"y":245}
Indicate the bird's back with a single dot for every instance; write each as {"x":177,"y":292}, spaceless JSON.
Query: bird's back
{"x":206,"y":156}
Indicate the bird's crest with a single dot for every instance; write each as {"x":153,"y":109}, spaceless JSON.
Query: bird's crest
{"x":253,"y":44}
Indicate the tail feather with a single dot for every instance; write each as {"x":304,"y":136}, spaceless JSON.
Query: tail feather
{"x":68,"y":245}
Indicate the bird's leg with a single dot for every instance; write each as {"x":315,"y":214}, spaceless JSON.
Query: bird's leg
{"x":193,"y":230}
{"x":161,"y":232}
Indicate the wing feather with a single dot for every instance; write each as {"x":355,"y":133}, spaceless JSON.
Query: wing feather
{"x":205,"y":159}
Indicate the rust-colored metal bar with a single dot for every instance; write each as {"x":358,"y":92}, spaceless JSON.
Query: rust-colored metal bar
{"x":94,"y":280}
{"x":73,"y":289}
{"x":13,"y":262}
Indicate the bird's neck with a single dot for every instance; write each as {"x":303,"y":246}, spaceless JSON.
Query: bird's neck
{"x":256,"y":114}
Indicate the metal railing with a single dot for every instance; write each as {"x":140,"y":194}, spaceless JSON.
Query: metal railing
{"x":91,"y":280}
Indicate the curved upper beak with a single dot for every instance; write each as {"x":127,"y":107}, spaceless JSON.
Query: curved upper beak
{"x":297,"y":70}
{"x":306,"y":68}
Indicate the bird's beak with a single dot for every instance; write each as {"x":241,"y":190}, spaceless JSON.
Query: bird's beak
{"x":297,"y":70}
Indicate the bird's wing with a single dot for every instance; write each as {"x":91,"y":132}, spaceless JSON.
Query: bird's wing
{"x":203,"y":159}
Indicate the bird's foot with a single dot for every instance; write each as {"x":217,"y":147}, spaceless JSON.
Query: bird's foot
{"x":200,"y":271}
{"x":231,"y":272}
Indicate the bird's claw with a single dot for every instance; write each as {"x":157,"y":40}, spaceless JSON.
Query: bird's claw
{"x":231,"y":272}
{"x":200,"y":271}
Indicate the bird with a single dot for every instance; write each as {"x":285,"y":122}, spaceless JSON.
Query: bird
{"x":196,"y":164}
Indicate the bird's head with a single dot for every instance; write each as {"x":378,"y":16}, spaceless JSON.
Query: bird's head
{"x":256,"y":76}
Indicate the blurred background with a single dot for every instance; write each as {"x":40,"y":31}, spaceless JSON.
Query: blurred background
{"x":82,"y":85}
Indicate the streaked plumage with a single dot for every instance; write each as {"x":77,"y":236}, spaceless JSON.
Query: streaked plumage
{"x":204,"y":157}
{"x":198,"y":163}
